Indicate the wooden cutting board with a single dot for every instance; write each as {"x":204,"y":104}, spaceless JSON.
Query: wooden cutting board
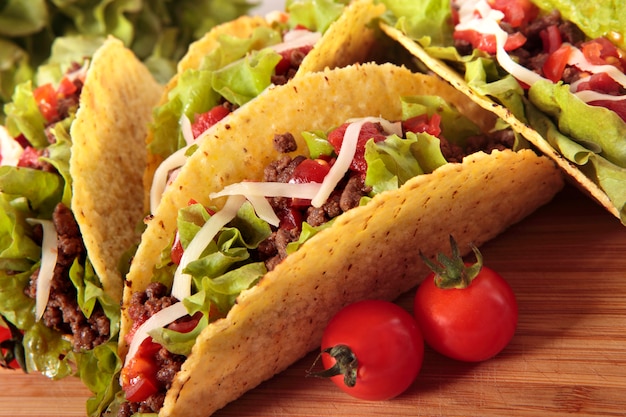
{"x":567,"y":266}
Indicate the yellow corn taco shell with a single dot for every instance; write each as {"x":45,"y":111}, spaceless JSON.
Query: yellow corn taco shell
{"x":348,"y":40}
{"x":108,"y":157}
{"x":371,"y":251}
{"x":616,"y":205}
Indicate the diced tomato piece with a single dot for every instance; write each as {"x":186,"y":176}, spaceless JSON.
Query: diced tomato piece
{"x":29,"y":158}
{"x":66,"y":87}
{"x":602,"y":83}
{"x":310,"y":170}
{"x":601,"y":51}
{"x":551,"y":38}
{"x":208,"y":119}
{"x":291,"y":217}
{"x":186,"y":324}
{"x":46,"y":98}
{"x":368,"y":131}
{"x":139,"y":376}
{"x":422,"y":123}
{"x":487,"y":43}
{"x":177,"y":250}
{"x":5,"y":334}
{"x":556,"y":62}
{"x":516,"y":12}
{"x":291,"y":58}
{"x":141,"y":389}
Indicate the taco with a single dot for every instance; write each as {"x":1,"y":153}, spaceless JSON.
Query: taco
{"x":74,"y":158}
{"x":236,"y":61}
{"x":553,"y":69}
{"x":228,"y":288}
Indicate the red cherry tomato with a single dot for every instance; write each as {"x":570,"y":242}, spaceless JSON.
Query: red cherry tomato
{"x":472,"y":322}
{"x":373,"y":348}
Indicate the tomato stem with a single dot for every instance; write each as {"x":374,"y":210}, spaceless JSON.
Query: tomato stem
{"x":346,"y":364}
{"x":453,"y":272}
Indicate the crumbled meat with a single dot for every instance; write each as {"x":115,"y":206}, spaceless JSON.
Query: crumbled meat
{"x":285,"y":143}
{"x":62,"y":312}
{"x":500,"y":140}
{"x":451,"y":151}
{"x":144,"y":304}
{"x":351,"y":195}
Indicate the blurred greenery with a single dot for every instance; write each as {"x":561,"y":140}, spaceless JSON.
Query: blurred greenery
{"x":157,"y":31}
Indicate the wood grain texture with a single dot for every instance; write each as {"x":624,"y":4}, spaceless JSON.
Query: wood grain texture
{"x":567,"y":265}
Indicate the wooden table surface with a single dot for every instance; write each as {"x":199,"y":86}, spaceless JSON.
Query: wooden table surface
{"x":567,"y":265}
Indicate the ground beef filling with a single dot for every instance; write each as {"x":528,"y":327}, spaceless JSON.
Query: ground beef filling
{"x":62,"y":312}
{"x":532,"y":55}
{"x":349,"y":191}
{"x":143,"y":305}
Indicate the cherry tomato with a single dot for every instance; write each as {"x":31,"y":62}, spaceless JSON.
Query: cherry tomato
{"x":467,"y":312}
{"x":372,"y":350}
{"x":208,"y":119}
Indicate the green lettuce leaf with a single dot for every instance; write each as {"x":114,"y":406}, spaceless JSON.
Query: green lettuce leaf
{"x":427,"y":21}
{"x":315,"y":15}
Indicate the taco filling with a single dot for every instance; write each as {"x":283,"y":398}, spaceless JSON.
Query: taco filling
{"x":232,"y":74}
{"x":217,"y":254}
{"x":533,"y":46}
{"x":53,"y":266}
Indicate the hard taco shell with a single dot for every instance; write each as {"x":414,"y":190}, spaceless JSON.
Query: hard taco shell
{"x":349,"y":39}
{"x":580,"y":179}
{"x":108,"y":157}
{"x":370,"y":252}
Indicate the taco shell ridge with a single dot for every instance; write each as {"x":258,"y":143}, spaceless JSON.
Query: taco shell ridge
{"x":108,"y":157}
{"x":281,"y":319}
{"x":576,"y":176}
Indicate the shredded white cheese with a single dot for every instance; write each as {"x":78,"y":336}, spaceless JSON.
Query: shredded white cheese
{"x":10,"y":149}
{"x":181,"y":287}
{"x":161,"y":174}
{"x":345,"y":157}
{"x":161,"y":319}
{"x":297,"y":38}
{"x":49,"y":255}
